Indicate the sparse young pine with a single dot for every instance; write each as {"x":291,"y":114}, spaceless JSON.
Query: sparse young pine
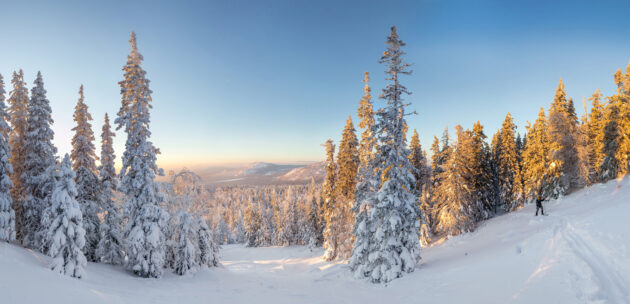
{"x":146,"y":220}
{"x":7,"y":214}
{"x":392,"y":246}
{"x":541,"y":173}
{"x":39,"y":166}
{"x":110,"y":246}
{"x":83,"y":157}
{"x":18,"y":115}
{"x":66,"y":233}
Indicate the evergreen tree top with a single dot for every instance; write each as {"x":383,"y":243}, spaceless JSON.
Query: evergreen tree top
{"x":83,"y":151}
{"x":366,"y":111}
{"x":445,"y":139}
{"x":560,"y":103}
{"x":393,"y":60}
{"x":415,"y":140}
{"x":132,"y":40}
{"x":4,"y":116}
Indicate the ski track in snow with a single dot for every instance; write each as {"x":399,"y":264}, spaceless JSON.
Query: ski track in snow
{"x":613,"y":287}
{"x":577,"y":254}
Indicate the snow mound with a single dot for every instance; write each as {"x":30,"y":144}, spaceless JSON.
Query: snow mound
{"x":579,"y":253}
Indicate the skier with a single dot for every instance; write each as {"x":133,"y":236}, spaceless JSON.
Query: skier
{"x":539,"y":201}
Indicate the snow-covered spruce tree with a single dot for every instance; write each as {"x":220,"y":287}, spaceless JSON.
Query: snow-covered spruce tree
{"x":88,"y":185}
{"x":110,"y":245}
{"x":422,"y":174}
{"x":253,"y":224}
{"x":18,"y":114}
{"x":40,"y":162}
{"x":481,"y":175}
{"x":340,"y":220}
{"x":367,"y":185}
{"x":419,"y":162}
{"x":541,"y":173}
{"x":439,"y":157}
{"x":290,"y":230}
{"x":622,"y":102}
{"x":208,"y":248}
{"x":609,"y":167}
{"x":563,"y":133}
{"x":456,"y":202}
{"x":314,"y":226}
{"x":7,"y":214}
{"x":186,"y":250}
{"x":392,"y":226}
{"x":329,"y":201}
{"x":190,"y":245}
{"x":594,"y":132}
{"x":146,"y":220}
{"x":66,"y":233}
{"x":506,"y":158}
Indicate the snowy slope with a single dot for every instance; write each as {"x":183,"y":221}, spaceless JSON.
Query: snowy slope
{"x":304,"y":174}
{"x":578,"y":254}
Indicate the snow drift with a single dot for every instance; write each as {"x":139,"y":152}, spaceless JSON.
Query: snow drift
{"x":577,"y":254}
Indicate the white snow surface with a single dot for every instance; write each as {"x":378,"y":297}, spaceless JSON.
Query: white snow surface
{"x":579,"y":253}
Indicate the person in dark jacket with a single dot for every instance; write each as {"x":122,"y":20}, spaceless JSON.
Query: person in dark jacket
{"x":539,"y":201}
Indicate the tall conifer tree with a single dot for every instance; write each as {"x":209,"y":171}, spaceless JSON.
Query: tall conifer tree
{"x":83,"y":157}
{"x":481,"y":173}
{"x":541,"y":173}
{"x":329,"y":202}
{"x":110,"y":247}
{"x":564,"y":134}
{"x":7,"y":214}
{"x":457,"y":205}
{"x":610,"y":165}
{"x":594,"y":132}
{"x":39,"y":167}
{"x":506,"y":158}
{"x":393,"y":247}
{"x":419,"y":163}
{"x":146,"y":220}
{"x":622,"y":102}
{"x":18,"y":114}
{"x":367,"y":181}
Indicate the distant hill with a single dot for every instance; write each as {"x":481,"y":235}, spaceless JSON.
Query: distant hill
{"x":260,"y":173}
{"x":305,"y":173}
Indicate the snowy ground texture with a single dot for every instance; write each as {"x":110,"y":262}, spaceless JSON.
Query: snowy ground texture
{"x":578,"y":254}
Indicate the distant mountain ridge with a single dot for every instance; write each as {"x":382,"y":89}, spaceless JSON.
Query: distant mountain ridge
{"x":261,"y":173}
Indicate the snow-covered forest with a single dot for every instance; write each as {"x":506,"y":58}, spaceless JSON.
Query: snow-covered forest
{"x":384,"y":197}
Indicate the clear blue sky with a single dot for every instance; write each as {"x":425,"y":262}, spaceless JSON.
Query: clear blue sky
{"x":241,"y":81}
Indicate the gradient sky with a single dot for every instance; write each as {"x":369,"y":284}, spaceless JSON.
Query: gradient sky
{"x":243,"y":81}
